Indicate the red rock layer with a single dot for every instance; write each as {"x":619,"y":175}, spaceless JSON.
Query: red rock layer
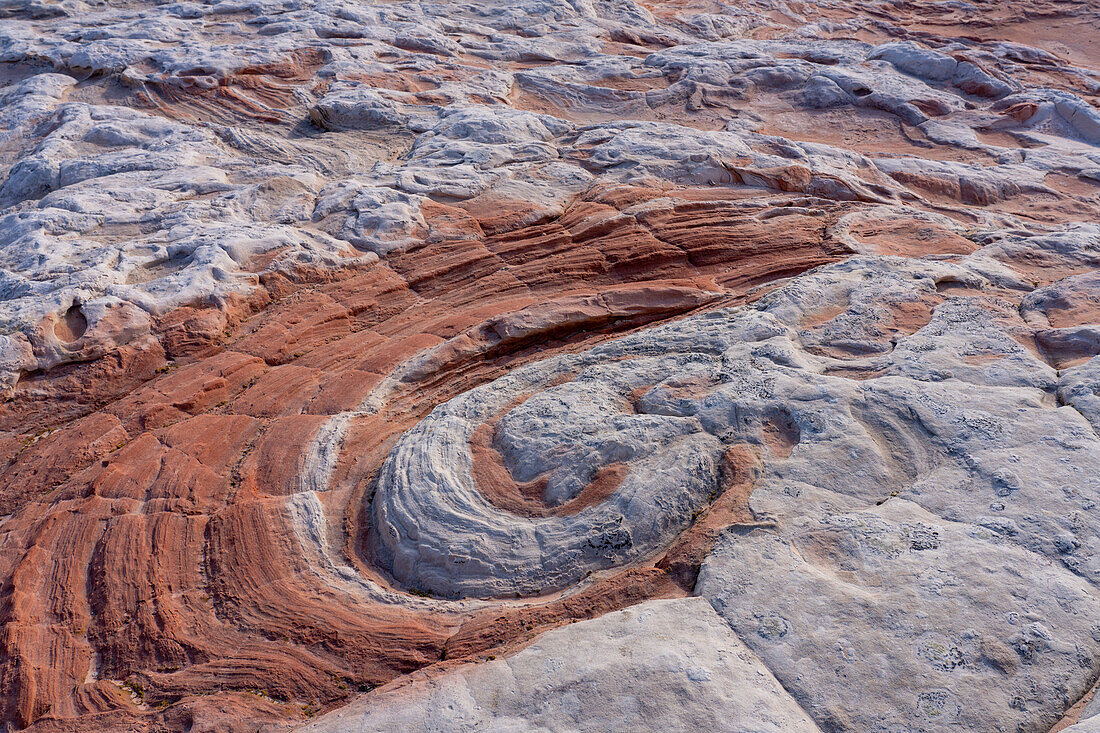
{"x":150,"y":572}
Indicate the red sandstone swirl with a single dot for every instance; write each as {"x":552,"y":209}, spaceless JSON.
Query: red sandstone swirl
{"x":150,"y":541}
{"x":158,"y":540}
{"x":196,"y":528}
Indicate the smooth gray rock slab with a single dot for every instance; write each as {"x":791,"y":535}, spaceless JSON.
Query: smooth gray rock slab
{"x":892,"y":619}
{"x":663,"y":665}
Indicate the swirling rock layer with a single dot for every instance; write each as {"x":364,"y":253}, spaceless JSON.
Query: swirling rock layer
{"x":348,"y":345}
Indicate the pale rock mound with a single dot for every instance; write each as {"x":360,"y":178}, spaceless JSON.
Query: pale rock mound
{"x":664,"y":665}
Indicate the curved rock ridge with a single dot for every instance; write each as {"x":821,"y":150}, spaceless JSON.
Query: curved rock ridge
{"x":436,"y":532}
{"x":429,"y":346}
{"x":914,"y":459}
{"x":666,"y":401}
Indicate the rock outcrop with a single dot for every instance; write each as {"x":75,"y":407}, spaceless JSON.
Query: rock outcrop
{"x":660,"y":665}
{"x":565,"y":365}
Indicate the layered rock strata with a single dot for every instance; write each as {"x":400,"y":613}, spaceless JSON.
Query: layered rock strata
{"x":749,"y":349}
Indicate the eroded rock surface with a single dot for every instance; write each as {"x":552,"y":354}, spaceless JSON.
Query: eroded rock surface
{"x":348,"y":345}
{"x":660,"y":665}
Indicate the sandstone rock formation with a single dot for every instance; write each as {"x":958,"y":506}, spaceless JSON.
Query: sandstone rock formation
{"x":564,"y":365}
{"x":660,"y":665}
